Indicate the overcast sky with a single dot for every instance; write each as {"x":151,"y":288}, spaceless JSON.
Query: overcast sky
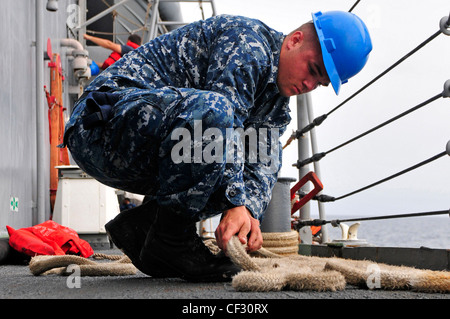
{"x":396,"y":27}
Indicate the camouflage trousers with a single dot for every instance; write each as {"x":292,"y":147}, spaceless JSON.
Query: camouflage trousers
{"x":125,"y":139}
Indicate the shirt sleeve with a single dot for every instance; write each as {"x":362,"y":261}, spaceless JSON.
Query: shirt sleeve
{"x":239,"y":68}
{"x":126,"y":49}
{"x":261,"y":173}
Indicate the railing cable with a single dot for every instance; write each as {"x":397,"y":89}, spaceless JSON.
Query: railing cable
{"x":318,"y":156}
{"x":444,"y":25}
{"x":431,"y":159}
{"x":336,"y":222}
{"x":327,"y":198}
{"x":386,"y":71}
{"x":354,"y":6}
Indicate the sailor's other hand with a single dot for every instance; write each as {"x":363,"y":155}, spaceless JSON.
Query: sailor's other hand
{"x":239,"y":221}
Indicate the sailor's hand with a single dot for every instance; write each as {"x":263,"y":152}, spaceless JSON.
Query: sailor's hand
{"x":239,"y":221}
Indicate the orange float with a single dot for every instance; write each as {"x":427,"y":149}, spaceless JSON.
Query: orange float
{"x":58,"y":156}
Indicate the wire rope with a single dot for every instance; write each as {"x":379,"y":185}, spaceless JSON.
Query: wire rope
{"x":318,"y":156}
{"x":354,"y":6}
{"x":327,"y":198}
{"x":321,"y":118}
{"x":335,"y":222}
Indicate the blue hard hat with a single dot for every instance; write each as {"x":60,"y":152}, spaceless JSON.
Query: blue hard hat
{"x":345,"y":43}
{"x":94,"y":68}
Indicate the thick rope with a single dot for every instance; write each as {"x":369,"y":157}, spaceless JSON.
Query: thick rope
{"x":268,"y":271}
{"x":46,"y":265}
{"x":281,"y":243}
{"x":110,"y":257}
{"x":359,"y":272}
{"x":296,"y":272}
{"x":276,"y":273}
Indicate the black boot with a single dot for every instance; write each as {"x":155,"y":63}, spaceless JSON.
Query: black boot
{"x":173,"y":244}
{"x":128,"y":232}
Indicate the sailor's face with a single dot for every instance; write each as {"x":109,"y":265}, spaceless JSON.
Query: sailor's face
{"x":301,"y":67}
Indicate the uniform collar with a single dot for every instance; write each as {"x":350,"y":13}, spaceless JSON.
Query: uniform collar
{"x":279,"y":39}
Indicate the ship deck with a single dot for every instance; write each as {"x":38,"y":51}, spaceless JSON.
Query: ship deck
{"x":17,"y":282}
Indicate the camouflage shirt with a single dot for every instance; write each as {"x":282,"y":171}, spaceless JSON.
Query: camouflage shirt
{"x":235,"y":56}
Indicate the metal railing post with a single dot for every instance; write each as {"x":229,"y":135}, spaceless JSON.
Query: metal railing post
{"x":314,"y":148}
{"x":303,"y":153}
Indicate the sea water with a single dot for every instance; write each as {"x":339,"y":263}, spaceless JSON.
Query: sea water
{"x":415,"y":232}
{"x":429,"y":231}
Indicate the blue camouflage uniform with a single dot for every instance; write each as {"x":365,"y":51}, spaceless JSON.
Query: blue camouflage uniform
{"x":219,"y":73}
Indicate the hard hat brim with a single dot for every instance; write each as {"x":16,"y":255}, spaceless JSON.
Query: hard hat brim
{"x":330,"y":67}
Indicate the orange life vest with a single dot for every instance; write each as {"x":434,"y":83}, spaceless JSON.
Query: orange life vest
{"x":48,"y":238}
{"x":114,"y":56}
{"x":315,"y":229}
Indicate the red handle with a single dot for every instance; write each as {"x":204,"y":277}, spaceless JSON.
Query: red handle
{"x":310,"y":177}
